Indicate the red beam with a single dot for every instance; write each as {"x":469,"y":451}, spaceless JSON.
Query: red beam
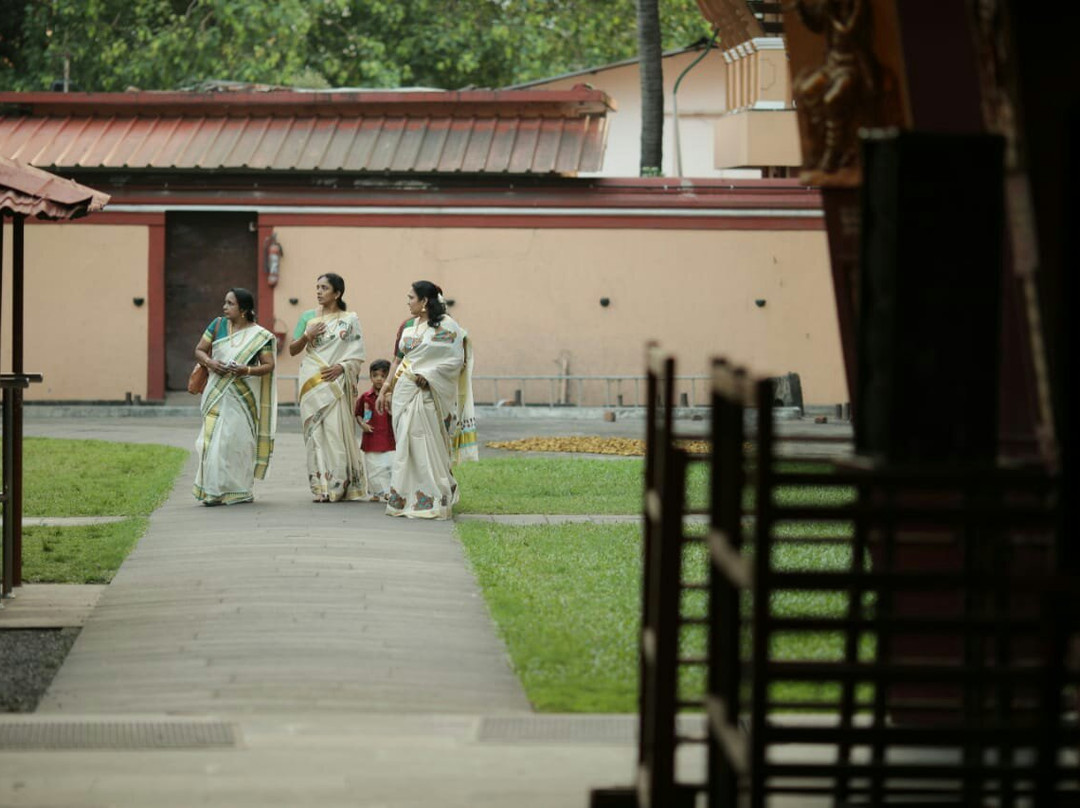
{"x":106,"y":217}
{"x":568,"y":222}
{"x":576,"y":101}
{"x":155,"y":312}
{"x":264,"y":294}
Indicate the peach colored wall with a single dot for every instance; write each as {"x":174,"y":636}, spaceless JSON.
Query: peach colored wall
{"x":757,"y":137}
{"x":731,"y":140}
{"x":531,"y":296}
{"x":83,"y":332}
{"x":774,"y":82}
{"x":774,"y":138}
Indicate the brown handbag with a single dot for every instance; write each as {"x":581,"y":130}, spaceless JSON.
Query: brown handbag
{"x":196,"y":382}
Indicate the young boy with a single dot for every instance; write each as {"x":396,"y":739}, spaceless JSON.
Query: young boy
{"x":378,"y":441}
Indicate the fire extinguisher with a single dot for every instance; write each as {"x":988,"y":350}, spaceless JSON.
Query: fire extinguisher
{"x":273,"y":259}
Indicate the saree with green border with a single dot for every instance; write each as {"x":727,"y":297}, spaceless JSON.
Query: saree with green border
{"x":239,"y":414}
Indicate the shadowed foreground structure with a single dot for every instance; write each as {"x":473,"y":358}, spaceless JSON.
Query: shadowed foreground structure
{"x":955,"y":666}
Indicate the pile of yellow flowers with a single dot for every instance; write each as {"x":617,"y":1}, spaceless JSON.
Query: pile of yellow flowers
{"x":627,"y":447}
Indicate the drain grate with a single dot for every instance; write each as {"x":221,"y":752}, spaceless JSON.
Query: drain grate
{"x":22,"y":735}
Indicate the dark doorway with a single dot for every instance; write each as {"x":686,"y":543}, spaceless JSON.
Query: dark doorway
{"x":205,"y":254}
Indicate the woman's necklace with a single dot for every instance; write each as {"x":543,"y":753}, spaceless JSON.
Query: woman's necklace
{"x":420,"y":333}
{"x":235,"y":333}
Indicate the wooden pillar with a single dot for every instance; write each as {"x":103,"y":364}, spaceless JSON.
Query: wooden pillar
{"x":843,"y":225}
{"x":8,"y":560}
{"x":7,"y":540}
{"x":15,"y":511}
{"x":18,"y":251}
{"x":1043,"y":58}
{"x":2,"y":217}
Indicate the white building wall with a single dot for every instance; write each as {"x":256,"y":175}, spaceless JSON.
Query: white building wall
{"x":702,"y":99}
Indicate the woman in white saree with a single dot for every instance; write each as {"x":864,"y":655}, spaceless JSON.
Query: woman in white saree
{"x":239,"y":404}
{"x":433,"y":415}
{"x":333,"y":346}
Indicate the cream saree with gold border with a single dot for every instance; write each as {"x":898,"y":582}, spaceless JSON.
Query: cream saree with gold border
{"x":435,"y":429}
{"x":239,"y":414}
{"x":334,"y":461}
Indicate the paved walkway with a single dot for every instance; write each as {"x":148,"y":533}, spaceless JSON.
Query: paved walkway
{"x":291,"y":654}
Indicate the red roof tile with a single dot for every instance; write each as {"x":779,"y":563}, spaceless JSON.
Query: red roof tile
{"x":518,"y":132}
{"x":29,"y":191}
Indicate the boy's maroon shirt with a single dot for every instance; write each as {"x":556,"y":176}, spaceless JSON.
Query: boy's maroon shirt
{"x":382,"y":439}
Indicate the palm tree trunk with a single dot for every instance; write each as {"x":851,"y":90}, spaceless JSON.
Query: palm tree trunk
{"x":652,"y":87}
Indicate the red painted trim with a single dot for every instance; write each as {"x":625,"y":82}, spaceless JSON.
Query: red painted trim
{"x":615,"y":220}
{"x":759,"y":202}
{"x":615,"y":197}
{"x":580,"y":98}
{"x":155,"y":302}
{"x":264,"y":295}
{"x":569,"y":222}
{"x":108,"y":218}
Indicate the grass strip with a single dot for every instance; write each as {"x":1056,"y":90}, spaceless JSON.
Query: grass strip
{"x":81,"y":554}
{"x":567,"y":599}
{"x":90,"y":478}
{"x":555,"y":485}
{"x":566,"y":602}
{"x":97,"y":478}
{"x":550,"y":485}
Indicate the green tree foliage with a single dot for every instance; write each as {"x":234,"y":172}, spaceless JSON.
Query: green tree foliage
{"x":112,"y":45}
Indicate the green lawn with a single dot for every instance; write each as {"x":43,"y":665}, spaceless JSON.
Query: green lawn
{"x":567,"y":598}
{"x":90,"y":478}
{"x":509,"y":485}
{"x":84,"y":554}
{"x":96,"y":477}
{"x":550,"y":485}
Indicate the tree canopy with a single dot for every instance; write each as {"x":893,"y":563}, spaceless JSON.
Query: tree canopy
{"x":115,"y":45}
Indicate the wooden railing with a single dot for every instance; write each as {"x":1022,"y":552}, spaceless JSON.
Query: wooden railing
{"x":12,"y":385}
{"x":665,"y":543}
{"x":947,"y":631}
{"x":951,"y":623}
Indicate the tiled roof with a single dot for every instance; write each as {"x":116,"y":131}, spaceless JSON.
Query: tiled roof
{"x":517,"y":132}
{"x":29,"y":191}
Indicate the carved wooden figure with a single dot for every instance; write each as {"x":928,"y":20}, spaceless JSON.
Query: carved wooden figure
{"x":835,"y":95}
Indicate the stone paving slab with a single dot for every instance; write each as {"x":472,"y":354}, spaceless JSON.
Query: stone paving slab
{"x":49,"y":605}
{"x":378,"y":760}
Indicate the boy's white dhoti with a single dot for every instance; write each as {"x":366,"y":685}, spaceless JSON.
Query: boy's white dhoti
{"x":378,"y":473}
